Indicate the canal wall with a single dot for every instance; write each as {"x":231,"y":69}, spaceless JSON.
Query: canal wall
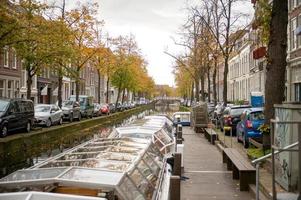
{"x":19,"y":149}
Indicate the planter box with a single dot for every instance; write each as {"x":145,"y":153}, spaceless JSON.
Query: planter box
{"x":259,"y":53}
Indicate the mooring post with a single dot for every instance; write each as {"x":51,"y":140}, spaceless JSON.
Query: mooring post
{"x":175,"y":188}
{"x":177,"y":164}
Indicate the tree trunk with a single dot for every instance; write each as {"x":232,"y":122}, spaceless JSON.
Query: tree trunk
{"x":226,"y":69}
{"x":28,"y":84}
{"x":60,"y":86}
{"x":214,"y":82}
{"x":98,"y":92}
{"x":209,"y":84}
{"x":197,"y":89}
{"x":203,"y":87}
{"x":192,"y":94}
{"x":77,"y":84}
{"x":276,"y":66}
{"x":108,"y":92}
{"x":118,"y":95}
{"x":123,"y":95}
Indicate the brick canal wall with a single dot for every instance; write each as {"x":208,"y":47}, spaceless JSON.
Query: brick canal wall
{"x":17,"y":149}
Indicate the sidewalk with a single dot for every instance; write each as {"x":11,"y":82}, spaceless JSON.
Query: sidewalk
{"x":208,"y":177}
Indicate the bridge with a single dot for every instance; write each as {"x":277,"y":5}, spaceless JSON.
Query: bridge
{"x":167,"y":104}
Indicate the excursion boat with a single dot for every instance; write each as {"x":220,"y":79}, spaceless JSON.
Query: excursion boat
{"x":183,"y":118}
{"x":129,"y":165}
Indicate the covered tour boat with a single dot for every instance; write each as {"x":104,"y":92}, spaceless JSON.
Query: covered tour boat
{"x":129,"y":165}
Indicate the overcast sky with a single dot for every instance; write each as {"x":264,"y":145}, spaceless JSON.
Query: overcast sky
{"x":153,"y":22}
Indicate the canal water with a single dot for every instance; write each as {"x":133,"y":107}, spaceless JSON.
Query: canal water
{"x":100,"y":131}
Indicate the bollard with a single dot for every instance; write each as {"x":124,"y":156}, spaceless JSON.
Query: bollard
{"x":179,"y":135}
{"x":175,"y":188}
{"x":177,"y":164}
{"x":179,"y":128}
{"x":179,"y":141}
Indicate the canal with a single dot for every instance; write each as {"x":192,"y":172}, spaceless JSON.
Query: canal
{"x":24,"y":150}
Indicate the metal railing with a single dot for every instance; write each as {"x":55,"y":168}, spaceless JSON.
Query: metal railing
{"x":275,"y":150}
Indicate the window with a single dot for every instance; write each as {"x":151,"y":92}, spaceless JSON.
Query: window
{"x":10,"y":89}
{"x":293,"y":4}
{"x":2,"y":83}
{"x":298,"y":92}
{"x":293,"y":37}
{"x":14,"y":59}
{"x":23,"y":79}
{"x":299,"y":36}
{"x":5,"y":57}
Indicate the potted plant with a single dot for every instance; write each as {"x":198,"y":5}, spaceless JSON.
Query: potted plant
{"x":265,"y":129}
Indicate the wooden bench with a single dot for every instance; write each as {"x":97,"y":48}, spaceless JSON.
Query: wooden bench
{"x":241,"y":168}
{"x":211,"y":135}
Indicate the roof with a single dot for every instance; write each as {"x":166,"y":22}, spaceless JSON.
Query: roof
{"x":125,"y":165}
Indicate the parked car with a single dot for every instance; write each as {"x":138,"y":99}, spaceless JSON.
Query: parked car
{"x":97,"y":109}
{"x":251,"y":120}
{"x":48,"y":114}
{"x":105,"y":109}
{"x":86,"y":105}
{"x":125,"y":106}
{"x":119,"y":107}
{"x":230,"y":118}
{"x":71,"y":110}
{"x":15,"y":114}
{"x":112,"y":108}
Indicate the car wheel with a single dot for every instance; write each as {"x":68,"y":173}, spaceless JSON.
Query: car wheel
{"x":71,"y":118}
{"x":28,"y":127}
{"x":48,"y":123}
{"x":4,"y":131}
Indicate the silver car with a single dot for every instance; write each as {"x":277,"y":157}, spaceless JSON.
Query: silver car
{"x":71,"y":110}
{"x":48,"y":114}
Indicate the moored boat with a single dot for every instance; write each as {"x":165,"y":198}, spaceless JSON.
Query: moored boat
{"x":130,"y":165}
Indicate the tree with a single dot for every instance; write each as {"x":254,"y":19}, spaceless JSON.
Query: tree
{"x":276,"y":65}
{"x":82,"y":21}
{"x":225,"y":25}
{"x":65,"y":41}
{"x":39,"y":45}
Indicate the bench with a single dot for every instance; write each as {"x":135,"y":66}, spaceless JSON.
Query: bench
{"x":240,"y":167}
{"x":211,"y":135}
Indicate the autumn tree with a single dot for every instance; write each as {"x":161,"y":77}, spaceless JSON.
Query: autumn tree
{"x":9,"y":24}
{"x":40,"y":45}
{"x":82,"y":22}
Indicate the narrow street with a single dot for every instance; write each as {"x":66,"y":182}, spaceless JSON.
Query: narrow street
{"x":208,"y":176}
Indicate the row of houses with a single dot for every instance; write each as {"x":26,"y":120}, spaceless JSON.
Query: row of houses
{"x":45,"y":85}
{"x":248,"y":62}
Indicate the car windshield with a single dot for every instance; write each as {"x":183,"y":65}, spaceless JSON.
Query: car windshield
{"x":257,"y":115}
{"x":3,"y":105}
{"x":237,"y":111}
{"x":42,"y":108}
{"x":68,"y":104}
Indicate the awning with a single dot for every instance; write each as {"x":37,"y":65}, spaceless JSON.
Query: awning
{"x":55,"y":91}
{"x":44,"y":90}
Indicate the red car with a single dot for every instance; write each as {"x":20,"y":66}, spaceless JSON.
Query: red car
{"x":105,"y":109}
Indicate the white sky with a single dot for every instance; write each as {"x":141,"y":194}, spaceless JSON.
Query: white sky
{"x":153,"y":22}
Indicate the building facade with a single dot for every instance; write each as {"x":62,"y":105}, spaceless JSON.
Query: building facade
{"x":293,"y":75}
{"x":238,"y":86}
{"x":10,"y":73}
